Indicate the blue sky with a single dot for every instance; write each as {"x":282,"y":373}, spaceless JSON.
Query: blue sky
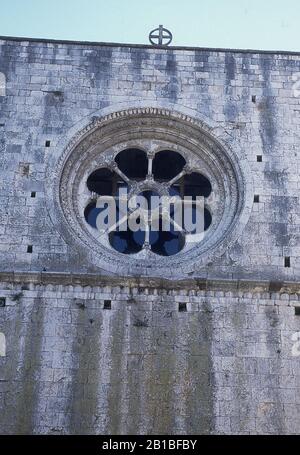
{"x":255,"y":24}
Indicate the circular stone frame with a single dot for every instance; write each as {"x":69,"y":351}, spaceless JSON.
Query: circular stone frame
{"x":94,"y":146}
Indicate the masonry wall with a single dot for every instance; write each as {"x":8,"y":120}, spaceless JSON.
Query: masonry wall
{"x":228,"y":363}
{"x":225,"y":365}
{"x":54,"y":89}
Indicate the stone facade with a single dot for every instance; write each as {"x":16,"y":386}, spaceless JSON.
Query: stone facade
{"x":207,"y":344}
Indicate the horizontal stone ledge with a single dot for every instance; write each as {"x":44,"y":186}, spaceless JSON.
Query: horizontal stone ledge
{"x":83,"y":280}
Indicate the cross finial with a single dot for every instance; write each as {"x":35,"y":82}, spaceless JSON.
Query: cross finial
{"x":160,"y":36}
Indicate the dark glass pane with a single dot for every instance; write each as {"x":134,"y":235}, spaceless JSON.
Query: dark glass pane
{"x":174,"y":190}
{"x":105,"y":182}
{"x":133,"y":163}
{"x":207,"y":219}
{"x":191,"y":185}
{"x":167,"y":164}
{"x":195,"y":212}
{"x":127,"y":242}
{"x":90,"y":214}
{"x":196,"y":185}
{"x":166,"y":243}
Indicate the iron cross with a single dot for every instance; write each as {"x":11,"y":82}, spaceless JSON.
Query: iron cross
{"x":160,"y":36}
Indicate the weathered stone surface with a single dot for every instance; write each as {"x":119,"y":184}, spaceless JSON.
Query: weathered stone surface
{"x":224,"y":366}
{"x":227,"y":364}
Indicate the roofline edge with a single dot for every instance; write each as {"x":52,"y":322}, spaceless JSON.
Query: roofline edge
{"x":146,"y":46}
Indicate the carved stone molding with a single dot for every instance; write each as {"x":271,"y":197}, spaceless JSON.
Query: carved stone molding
{"x":53,"y":281}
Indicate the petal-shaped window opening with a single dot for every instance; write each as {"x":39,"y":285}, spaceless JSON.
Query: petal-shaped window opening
{"x":167,"y":164}
{"x":196,"y":185}
{"x":123,"y":239}
{"x":105,"y":182}
{"x":166,"y":243}
{"x":133,"y":163}
{"x":191,"y":185}
{"x":197,"y":217}
{"x":175,"y":190}
{"x":127,"y":242}
{"x":163,"y":243}
{"x":90,"y":214}
{"x":207,"y":219}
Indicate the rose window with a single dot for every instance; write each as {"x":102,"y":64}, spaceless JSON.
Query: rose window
{"x":180,"y":192}
{"x":171,"y":192}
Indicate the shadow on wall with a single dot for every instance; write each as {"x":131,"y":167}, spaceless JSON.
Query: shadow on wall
{"x":2,"y":345}
{"x":2,"y":84}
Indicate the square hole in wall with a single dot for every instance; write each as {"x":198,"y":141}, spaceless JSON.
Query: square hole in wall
{"x":287,"y":262}
{"x":33,"y":194}
{"x":2,"y":302}
{"x":29,"y":249}
{"x":259,"y":158}
{"x":253,"y":98}
{"x":256,"y":198}
{"x":297,"y":310}
{"x":182,"y":308}
{"x":107,"y":305}
{"x":47,"y":143}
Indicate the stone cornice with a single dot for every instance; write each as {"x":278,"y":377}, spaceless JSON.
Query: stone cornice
{"x":83,"y":280}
